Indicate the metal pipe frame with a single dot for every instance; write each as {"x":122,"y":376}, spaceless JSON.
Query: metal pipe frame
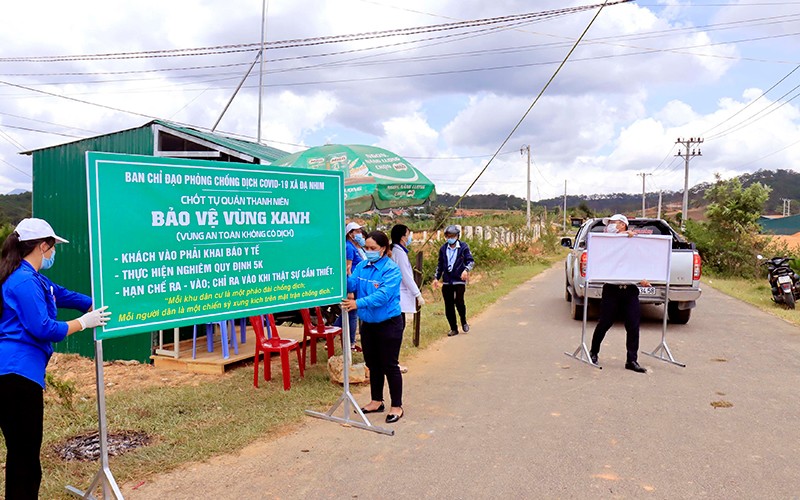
{"x":347,"y":399}
{"x":582,"y":352}
{"x":104,"y":476}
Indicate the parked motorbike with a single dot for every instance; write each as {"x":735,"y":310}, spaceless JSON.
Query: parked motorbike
{"x":784,"y":281}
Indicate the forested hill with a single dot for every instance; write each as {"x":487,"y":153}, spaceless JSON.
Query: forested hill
{"x":15,"y":207}
{"x":784,"y":184}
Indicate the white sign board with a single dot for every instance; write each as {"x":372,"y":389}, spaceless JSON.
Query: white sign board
{"x":620,"y":258}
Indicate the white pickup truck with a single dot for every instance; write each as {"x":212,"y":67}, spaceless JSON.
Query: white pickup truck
{"x":684,"y":281}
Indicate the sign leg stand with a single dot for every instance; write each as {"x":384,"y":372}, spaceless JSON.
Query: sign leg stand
{"x":103,"y":476}
{"x":347,"y":399}
{"x":582,"y":352}
{"x":663,"y":348}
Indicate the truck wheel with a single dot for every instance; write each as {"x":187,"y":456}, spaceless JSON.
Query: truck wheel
{"x":678,"y":316}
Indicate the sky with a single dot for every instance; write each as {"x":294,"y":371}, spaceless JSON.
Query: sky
{"x":445,"y":96}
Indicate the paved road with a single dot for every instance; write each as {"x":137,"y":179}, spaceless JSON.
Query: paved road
{"x":503,"y":413}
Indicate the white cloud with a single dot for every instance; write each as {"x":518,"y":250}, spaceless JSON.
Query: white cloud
{"x":642,"y":77}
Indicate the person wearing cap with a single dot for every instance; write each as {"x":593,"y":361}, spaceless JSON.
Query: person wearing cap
{"x":354,"y":253}
{"x":455,"y":264}
{"x":28,"y":328}
{"x":618,"y":298}
{"x":376,"y":281}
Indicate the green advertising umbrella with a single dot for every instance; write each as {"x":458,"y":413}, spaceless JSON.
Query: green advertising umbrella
{"x":373,"y":177}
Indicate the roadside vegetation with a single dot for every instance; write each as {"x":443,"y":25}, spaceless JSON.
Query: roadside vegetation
{"x":729,"y":243}
{"x":211,"y":416}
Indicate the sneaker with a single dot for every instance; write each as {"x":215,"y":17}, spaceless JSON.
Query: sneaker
{"x":356,"y":348}
{"x":403,"y":369}
{"x":452,"y":333}
{"x":465,"y":327}
{"x":593,"y":357}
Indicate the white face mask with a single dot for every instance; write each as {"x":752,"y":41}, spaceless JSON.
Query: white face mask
{"x":612,"y":227}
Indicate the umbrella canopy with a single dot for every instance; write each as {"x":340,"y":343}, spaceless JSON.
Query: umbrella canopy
{"x":373,"y":177}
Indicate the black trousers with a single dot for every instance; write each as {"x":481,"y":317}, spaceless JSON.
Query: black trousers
{"x":454,"y":299}
{"x":22,"y":420}
{"x":616,"y":300}
{"x":381,"y":344}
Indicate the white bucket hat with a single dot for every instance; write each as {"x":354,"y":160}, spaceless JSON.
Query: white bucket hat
{"x":615,"y":217}
{"x":34,"y":229}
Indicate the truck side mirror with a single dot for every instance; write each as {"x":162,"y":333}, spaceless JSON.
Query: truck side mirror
{"x":566,"y":242}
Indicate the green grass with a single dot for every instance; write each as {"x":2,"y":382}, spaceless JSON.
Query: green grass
{"x":753,"y":292}
{"x":193,"y":423}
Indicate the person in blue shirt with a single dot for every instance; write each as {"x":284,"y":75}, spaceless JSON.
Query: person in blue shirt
{"x":354,"y":253}
{"x":455,"y":264}
{"x":376,"y":282}
{"x":28,"y":328}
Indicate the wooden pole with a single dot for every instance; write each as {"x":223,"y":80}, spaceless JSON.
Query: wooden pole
{"x":418,"y":281}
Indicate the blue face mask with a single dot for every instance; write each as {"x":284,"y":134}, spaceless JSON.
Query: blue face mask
{"x":48,"y":263}
{"x":451,"y":241}
{"x":360,"y":240}
{"x":373,"y":255}
{"x":410,"y":240}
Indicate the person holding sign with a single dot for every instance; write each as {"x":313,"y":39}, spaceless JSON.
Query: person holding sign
{"x":28,"y":328}
{"x":619,"y":297}
{"x":354,"y":253}
{"x":376,"y":282}
{"x":455,"y":264}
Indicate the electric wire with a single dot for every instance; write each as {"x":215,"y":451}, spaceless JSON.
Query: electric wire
{"x":17,"y":169}
{"x":519,"y":123}
{"x":763,"y":94}
{"x":761,"y":114}
{"x":299,"y":42}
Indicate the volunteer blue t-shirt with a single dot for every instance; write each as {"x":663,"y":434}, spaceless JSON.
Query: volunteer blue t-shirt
{"x":28,"y":325}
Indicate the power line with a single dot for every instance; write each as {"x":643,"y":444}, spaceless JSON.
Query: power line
{"x":505,"y":50}
{"x":519,"y":123}
{"x":299,"y":42}
{"x":15,"y":168}
{"x":787,"y":75}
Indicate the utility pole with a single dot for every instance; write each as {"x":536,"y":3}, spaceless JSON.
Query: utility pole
{"x":659,"y":205}
{"x":643,"y":191}
{"x":564,"y":224}
{"x":690,"y":153}
{"x":261,"y":65}
{"x":527,"y":148}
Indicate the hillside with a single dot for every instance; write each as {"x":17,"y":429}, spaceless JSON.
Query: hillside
{"x":15,"y":207}
{"x":785,"y":184}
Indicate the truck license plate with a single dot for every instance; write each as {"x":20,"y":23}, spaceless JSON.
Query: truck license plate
{"x":647,"y":290}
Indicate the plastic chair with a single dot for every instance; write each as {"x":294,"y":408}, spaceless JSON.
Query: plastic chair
{"x":273,"y":344}
{"x":312,"y":333}
{"x":226,"y":340}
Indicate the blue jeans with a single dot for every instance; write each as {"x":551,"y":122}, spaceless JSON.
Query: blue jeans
{"x":352,"y":319}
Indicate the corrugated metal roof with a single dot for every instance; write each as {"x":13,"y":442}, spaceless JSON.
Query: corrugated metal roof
{"x":266,"y":153}
{"x":783,"y":225}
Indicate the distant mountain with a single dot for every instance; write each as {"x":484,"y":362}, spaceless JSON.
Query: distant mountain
{"x":19,"y":191}
{"x":785,"y":184}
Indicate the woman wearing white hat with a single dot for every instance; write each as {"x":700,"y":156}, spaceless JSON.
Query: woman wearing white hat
{"x":28,"y":328}
{"x":616,"y":297}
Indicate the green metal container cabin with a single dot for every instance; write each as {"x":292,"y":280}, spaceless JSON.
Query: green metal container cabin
{"x":59,"y":196}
